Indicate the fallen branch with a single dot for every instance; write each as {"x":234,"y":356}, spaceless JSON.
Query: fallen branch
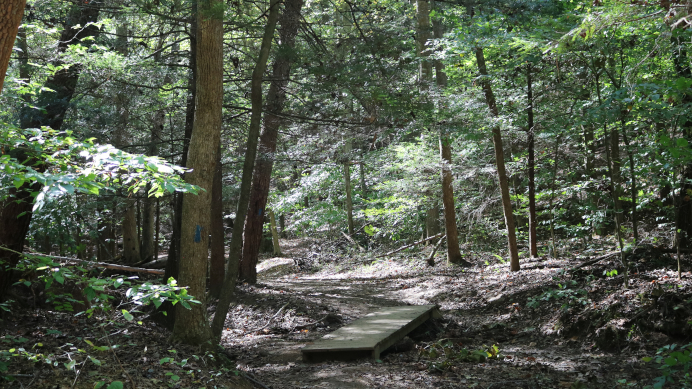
{"x":268,"y":322}
{"x":156,"y":264}
{"x":253,"y":380}
{"x":410,"y":245}
{"x":302,"y":326}
{"x":95,"y":264}
{"x":595,"y":260}
{"x":431,"y":261}
{"x":352,"y":241}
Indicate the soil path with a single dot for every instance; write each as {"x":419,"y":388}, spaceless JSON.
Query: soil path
{"x":482,"y":307}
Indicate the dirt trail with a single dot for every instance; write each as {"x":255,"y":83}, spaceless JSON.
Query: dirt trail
{"x":482,"y":306}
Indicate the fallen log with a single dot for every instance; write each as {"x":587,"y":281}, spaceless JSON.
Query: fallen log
{"x":431,"y":258}
{"x":595,"y":260}
{"x":347,"y":236}
{"x":100,"y":264}
{"x":410,"y":245}
{"x":157,"y":264}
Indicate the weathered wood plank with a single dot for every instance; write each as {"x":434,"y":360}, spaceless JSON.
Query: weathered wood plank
{"x":370,"y":335}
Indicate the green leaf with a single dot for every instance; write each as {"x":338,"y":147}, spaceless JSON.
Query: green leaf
{"x":128,"y":316}
{"x":96,"y":361}
{"x":59,"y":277}
{"x":115,"y":385}
{"x":70,"y":365}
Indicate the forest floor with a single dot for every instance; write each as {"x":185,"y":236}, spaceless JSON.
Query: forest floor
{"x":552,"y":328}
{"x":542,"y":327}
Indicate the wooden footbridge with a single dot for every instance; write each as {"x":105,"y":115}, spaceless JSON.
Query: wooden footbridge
{"x":370,"y":335}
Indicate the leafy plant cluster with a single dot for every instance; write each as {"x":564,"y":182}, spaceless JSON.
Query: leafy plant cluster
{"x":566,"y":293}
{"x":444,"y":354}
{"x":675,"y":364}
{"x":95,"y":296}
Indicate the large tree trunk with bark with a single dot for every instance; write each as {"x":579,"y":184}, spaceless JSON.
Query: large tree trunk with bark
{"x":11,"y":12}
{"x":683,"y":206}
{"x":191,"y":325}
{"x":500,"y":162}
{"x":51,"y":106}
{"x":289,"y":23}
{"x":173,"y":261}
{"x":235,"y":249}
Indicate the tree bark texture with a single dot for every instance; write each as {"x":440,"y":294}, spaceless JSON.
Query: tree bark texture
{"x":235,"y":250}
{"x":130,"y":235}
{"x":191,"y":325}
{"x":177,"y":203}
{"x":363,"y":186}
{"x":11,"y":12}
{"x":349,"y":200}
{"x":533,"y":222}
{"x":217,"y":261}
{"x":683,"y":221}
{"x":276,"y":97}
{"x":633,"y":188}
{"x":15,"y":211}
{"x":15,"y":217}
{"x":432,"y":220}
{"x":149,"y":208}
{"x":275,"y":234}
{"x":51,"y":106}
{"x":422,"y":38}
{"x":617,"y":174}
{"x":453,"y":252}
{"x":500,"y":162}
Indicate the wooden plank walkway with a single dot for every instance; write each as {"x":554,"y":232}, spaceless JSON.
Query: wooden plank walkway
{"x":370,"y":335}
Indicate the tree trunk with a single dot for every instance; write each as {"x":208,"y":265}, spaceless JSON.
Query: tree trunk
{"x":500,"y":162}
{"x":11,"y":12}
{"x":363,"y":186}
{"x":51,"y":106}
{"x":289,"y":24}
{"x":149,"y":208}
{"x":432,"y":221}
{"x":422,"y":39}
{"x":13,"y":230}
{"x":282,"y":225}
{"x":157,"y":231}
{"x":453,"y":252}
{"x":24,"y":67}
{"x":235,"y":250}
{"x":633,"y":189}
{"x":683,"y":205}
{"x":616,"y":172}
{"x":130,"y":236}
{"x":177,"y":202}
{"x":275,"y":234}
{"x":191,"y":325}
{"x":217,"y":262}
{"x":533,"y":221}
{"x":349,"y":201}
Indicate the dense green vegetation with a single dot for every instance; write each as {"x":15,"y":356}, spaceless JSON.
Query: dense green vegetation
{"x":586,"y":105}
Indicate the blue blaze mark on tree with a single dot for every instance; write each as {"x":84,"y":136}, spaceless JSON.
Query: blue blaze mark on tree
{"x":198,"y":234}
{"x":259,"y":211}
